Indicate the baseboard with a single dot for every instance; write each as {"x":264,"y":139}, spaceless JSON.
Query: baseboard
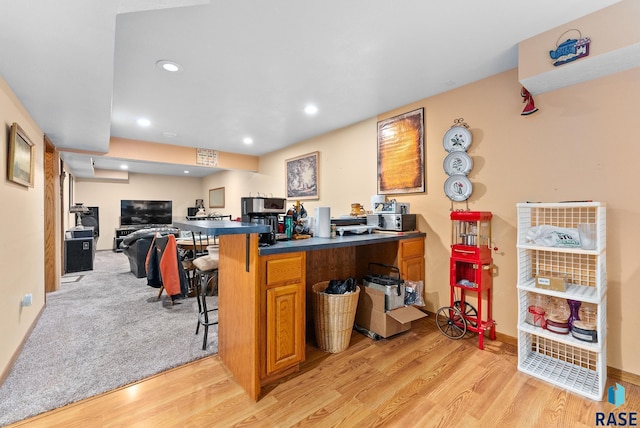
{"x":504,"y":338}
{"x":509,"y":340}
{"x":623,"y":376}
{"x":16,"y":354}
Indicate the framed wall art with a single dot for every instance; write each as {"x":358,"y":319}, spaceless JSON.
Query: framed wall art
{"x":401,"y":154}
{"x":21,"y":157}
{"x":216,"y":197}
{"x":206,"y":157}
{"x":302,"y":176}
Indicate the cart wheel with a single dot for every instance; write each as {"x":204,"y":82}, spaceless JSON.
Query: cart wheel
{"x":470,"y":313}
{"x":451,"y":322}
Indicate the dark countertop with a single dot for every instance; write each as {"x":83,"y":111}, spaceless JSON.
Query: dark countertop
{"x":311,"y":244}
{"x":225,"y":227}
{"x":219,"y":227}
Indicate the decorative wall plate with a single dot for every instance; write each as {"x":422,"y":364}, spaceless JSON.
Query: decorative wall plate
{"x":457,"y":138}
{"x":457,"y":163}
{"x":458,"y":188}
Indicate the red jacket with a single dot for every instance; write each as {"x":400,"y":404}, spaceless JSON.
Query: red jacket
{"x":164,"y":267}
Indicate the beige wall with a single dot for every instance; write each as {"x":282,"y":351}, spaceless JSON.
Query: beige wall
{"x":169,"y":153}
{"x":580,"y":145}
{"x":346,"y":158}
{"x":236,"y":185}
{"x":183,"y":191}
{"x":614,"y":35}
{"x":22,"y":252}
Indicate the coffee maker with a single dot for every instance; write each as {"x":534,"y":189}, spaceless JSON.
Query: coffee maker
{"x":263,"y":210}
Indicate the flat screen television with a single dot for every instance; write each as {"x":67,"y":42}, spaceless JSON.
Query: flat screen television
{"x":145,"y":213}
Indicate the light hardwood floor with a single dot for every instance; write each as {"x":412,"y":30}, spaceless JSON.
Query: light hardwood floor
{"x":417,"y":379}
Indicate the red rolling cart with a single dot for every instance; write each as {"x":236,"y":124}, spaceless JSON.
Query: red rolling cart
{"x":470,"y":278}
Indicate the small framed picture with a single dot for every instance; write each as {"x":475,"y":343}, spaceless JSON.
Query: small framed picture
{"x":216,"y":197}
{"x":21,"y":157}
{"x":302,"y":176}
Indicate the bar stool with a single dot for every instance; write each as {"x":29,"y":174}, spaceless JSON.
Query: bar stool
{"x":206,"y":271}
{"x":198,"y":249}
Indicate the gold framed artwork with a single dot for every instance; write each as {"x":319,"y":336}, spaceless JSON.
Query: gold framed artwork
{"x":401,"y":154}
{"x":302,"y":176}
{"x":216,"y":197}
{"x":21,"y":157}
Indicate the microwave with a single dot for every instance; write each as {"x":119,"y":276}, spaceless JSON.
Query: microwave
{"x":263,"y":205}
{"x":391,"y":207}
{"x":394,"y":222}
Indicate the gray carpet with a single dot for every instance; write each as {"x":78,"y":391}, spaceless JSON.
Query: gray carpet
{"x":103,"y":329}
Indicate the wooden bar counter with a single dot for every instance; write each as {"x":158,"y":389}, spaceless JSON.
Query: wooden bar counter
{"x":264,"y":293}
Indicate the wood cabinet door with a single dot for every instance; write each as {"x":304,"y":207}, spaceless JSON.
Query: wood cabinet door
{"x":285,"y":326}
{"x":411,"y":258}
{"x":412,"y":269}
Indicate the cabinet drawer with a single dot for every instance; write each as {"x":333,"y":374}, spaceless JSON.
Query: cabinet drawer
{"x":284,"y":269}
{"x":411,"y":248}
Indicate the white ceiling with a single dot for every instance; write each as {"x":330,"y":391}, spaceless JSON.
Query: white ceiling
{"x":86,"y":70}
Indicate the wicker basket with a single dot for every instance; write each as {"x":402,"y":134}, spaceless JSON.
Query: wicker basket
{"x":334,"y":315}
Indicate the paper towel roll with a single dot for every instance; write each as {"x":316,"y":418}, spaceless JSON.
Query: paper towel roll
{"x":323,"y":222}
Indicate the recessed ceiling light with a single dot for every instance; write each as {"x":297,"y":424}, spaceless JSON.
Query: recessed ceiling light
{"x":186,"y":172}
{"x":124,"y":167}
{"x":311,"y":109}
{"x":144,"y":121}
{"x":247,"y":140}
{"x":168,"y":65}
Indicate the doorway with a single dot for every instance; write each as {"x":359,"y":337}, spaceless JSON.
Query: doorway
{"x":52,"y":217}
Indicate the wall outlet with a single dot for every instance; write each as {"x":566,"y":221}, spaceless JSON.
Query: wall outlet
{"x":27,"y":299}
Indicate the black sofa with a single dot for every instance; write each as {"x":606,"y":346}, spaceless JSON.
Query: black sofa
{"x":136,"y":246}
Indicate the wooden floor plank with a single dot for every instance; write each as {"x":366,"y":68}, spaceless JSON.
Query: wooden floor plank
{"x":418,"y":378}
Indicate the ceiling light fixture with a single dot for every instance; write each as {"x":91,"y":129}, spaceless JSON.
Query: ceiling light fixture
{"x":311,"y":109}
{"x":124,"y":166}
{"x":144,"y":122}
{"x":247,"y":140}
{"x":186,"y":172}
{"x":169,"y":134}
{"x":168,"y":65}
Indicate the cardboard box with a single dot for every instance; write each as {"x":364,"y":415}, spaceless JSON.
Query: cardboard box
{"x":552,"y":281}
{"x":392,"y":299}
{"x":372,"y":316}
